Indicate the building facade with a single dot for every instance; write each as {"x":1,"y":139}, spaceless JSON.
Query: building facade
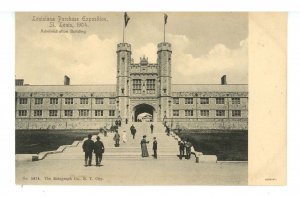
{"x":141,"y":88}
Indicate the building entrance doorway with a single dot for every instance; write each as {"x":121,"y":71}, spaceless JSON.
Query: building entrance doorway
{"x":143,"y":113}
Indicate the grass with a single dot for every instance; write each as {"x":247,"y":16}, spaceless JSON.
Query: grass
{"x":35,"y":141}
{"x":227,"y":145}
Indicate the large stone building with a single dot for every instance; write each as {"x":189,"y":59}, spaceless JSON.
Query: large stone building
{"x":141,"y":88}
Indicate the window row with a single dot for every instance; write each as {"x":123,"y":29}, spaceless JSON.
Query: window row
{"x":68,"y":101}
{"x":205,"y":113}
{"x":137,"y":86}
{"x":69,"y":113}
{"x":219,"y":100}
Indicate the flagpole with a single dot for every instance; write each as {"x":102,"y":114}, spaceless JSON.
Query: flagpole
{"x":123,"y":32}
{"x":164,"y":30}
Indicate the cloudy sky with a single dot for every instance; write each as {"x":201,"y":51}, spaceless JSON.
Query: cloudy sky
{"x":205,"y":47}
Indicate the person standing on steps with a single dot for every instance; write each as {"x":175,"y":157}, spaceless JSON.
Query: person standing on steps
{"x":98,"y":150}
{"x":88,"y":147}
{"x":181,"y":148}
{"x":188,"y":148}
{"x":117,"y":139}
{"x":133,"y":131}
{"x":144,"y":143}
{"x":124,"y":137}
{"x":155,"y":148}
{"x":151,"y":127}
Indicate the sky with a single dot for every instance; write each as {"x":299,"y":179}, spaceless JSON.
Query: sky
{"x":205,"y":46}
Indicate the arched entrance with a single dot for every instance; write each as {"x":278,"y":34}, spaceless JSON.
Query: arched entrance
{"x":143,"y":110}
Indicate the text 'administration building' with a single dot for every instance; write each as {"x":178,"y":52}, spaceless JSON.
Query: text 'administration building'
{"x":141,"y":88}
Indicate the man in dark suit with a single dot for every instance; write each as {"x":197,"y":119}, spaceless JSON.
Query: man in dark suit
{"x":98,"y":150}
{"x":88,"y":147}
{"x":155,"y":148}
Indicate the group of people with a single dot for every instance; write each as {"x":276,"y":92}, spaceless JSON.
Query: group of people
{"x":89,"y":146}
{"x":185,"y":145}
{"x":144,"y":149}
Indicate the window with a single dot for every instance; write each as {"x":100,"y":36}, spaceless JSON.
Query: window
{"x":22,"y":112}
{"x":68,"y":101}
{"x":83,"y":112}
{"x":150,"y":86}
{"x":112,"y":101}
{"x":68,"y":112}
{"x":175,"y":101}
{"x":188,"y":100}
{"x":204,"y":113}
{"x":23,"y":101}
{"x":137,"y":86}
{"x":188,"y":112}
{"x":98,"y":112}
{"x":220,"y":100}
{"x":99,"y":101}
{"x":235,"y":100}
{"x":111,"y":112}
{"x":204,"y":100}
{"x":236,"y":113}
{"x":84,"y":101}
{"x":38,"y":101}
{"x":175,"y":112}
{"x":52,"y":112}
{"x":53,"y":101}
{"x":220,"y":113}
{"x":37,"y":113}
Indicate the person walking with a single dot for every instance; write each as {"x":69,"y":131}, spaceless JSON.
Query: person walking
{"x":98,"y":150}
{"x":133,"y":131}
{"x":117,"y":139}
{"x":144,"y":143}
{"x":88,"y":147}
{"x":151,"y":127}
{"x":181,"y":148}
{"x":154,"y":148}
{"x":188,"y":148}
{"x":124,"y":137}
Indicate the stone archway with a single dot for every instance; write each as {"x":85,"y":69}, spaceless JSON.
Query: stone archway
{"x":143,"y":108}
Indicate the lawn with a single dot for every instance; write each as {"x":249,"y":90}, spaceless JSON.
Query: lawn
{"x":35,"y":141}
{"x":227,"y":145}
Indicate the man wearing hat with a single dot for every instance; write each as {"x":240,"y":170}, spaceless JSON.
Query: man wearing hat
{"x":88,"y":147}
{"x":154,"y":148}
{"x":98,"y":150}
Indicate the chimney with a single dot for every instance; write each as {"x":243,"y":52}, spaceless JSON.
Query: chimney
{"x":66,"y":80}
{"x":223,"y":80}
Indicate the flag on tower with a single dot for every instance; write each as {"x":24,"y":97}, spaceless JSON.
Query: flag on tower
{"x":166,"y":18}
{"x":126,"y":18}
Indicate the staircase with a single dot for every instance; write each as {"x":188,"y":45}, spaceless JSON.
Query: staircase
{"x":131,"y":150}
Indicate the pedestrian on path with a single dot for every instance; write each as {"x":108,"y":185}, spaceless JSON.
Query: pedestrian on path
{"x":155,"y":148}
{"x":117,"y":139}
{"x":151,"y":127}
{"x":124,"y":137}
{"x":144,"y":143}
{"x":181,"y":148}
{"x":188,"y":147}
{"x":133,"y":131}
{"x":98,"y":150}
{"x":88,"y":147}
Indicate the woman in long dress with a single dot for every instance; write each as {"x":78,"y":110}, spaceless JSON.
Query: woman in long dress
{"x":144,"y":147}
{"x":124,"y":137}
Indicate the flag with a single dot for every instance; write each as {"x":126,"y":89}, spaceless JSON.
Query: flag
{"x":126,"y":18}
{"x":166,"y":18}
